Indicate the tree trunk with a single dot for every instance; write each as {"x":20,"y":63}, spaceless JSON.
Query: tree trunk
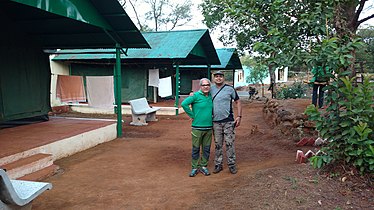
{"x":272,"y":87}
{"x":346,"y":24}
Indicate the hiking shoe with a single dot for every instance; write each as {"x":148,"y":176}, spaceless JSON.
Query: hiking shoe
{"x":194,"y":172}
{"x":233,"y":169}
{"x":205,"y":171}
{"x":217,"y":169}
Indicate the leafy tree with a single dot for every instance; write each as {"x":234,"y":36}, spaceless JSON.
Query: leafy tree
{"x":258,"y":71}
{"x":258,"y":74}
{"x":366,"y":54}
{"x":246,"y":60}
{"x":311,"y":33}
{"x":163,"y":14}
{"x":286,"y":32}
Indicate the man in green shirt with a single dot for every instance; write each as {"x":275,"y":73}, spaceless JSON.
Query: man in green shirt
{"x":319,"y":81}
{"x":201,"y":114}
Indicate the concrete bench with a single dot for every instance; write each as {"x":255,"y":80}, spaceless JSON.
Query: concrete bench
{"x":18,"y":194}
{"x":141,"y":112}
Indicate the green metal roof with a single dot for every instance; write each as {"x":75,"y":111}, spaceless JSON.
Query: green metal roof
{"x":73,"y":23}
{"x":228,"y":57}
{"x":184,"y":47}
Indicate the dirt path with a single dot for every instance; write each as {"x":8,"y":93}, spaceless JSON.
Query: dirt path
{"x":148,"y":169}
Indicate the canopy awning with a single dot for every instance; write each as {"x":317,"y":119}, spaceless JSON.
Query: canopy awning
{"x":73,"y":23}
{"x":183,"y":47}
{"x":228,"y":57}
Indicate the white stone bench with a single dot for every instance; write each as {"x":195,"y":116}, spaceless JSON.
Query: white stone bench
{"x":141,"y":112}
{"x":19,"y":194}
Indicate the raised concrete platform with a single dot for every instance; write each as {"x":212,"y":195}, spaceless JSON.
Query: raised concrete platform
{"x":29,"y":148}
{"x":126,"y":109}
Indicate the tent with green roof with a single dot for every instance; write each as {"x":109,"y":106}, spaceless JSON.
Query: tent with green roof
{"x":229,"y":60}
{"x":29,"y":28}
{"x":169,"y":49}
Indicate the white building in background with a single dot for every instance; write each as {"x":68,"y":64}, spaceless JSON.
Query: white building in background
{"x":240,"y":76}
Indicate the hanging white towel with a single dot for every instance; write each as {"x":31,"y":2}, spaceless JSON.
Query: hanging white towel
{"x":153,"y":77}
{"x":100,"y":91}
{"x":164,"y":87}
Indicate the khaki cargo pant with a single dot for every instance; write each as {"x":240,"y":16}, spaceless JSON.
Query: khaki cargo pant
{"x":224,"y":132}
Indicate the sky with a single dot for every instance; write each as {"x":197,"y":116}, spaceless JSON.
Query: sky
{"x":195,"y":23}
{"x":197,"y":19}
{"x":368,"y":10}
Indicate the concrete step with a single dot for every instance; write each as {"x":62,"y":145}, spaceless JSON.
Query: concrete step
{"x":14,"y":157}
{"x":28,"y":165}
{"x":41,"y":174}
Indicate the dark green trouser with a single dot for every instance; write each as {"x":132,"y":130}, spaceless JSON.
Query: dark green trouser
{"x":201,"y":138}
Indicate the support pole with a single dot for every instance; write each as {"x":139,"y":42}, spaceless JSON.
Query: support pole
{"x":118,"y":86}
{"x":177,"y":84}
{"x":233,"y":78}
{"x":209,"y":73}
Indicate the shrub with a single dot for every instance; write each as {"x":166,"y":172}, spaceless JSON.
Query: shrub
{"x":296,"y":90}
{"x":347,"y":124}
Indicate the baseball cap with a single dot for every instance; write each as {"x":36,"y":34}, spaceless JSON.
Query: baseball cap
{"x":219,"y":73}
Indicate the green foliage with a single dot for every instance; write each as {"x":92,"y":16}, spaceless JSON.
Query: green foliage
{"x":366,"y":53}
{"x":281,"y":31}
{"x":247,"y":60}
{"x":258,"y":72}
{"x":296,"y":90}
{"x":334,"y":53}
{"x":320,"y":160}
{"x":347,"y":124}
{"x":290,"y":33}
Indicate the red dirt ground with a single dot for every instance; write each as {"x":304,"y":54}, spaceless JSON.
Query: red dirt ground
{"x":148,"y":169}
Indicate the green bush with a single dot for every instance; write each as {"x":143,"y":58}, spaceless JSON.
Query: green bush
{"x":296,"y":90}
{"x":347,"y":124}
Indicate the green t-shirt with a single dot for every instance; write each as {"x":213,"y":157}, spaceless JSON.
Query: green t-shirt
{"x":202,"y":108}
{"x":320,"y":75}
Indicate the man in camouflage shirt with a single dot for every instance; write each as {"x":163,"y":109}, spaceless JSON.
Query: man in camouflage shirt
{"x":224,"y":122}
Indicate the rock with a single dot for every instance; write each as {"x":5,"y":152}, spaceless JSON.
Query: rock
{"x":296,"y":123}
{"x":286,"y":127}
{"x":309,"y":131}
{"x":301,"y":116}
{"x":290,"y":118}
{"x":295,"y":132}
{"x":309,"y":124}
{"x":281,"y":113}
